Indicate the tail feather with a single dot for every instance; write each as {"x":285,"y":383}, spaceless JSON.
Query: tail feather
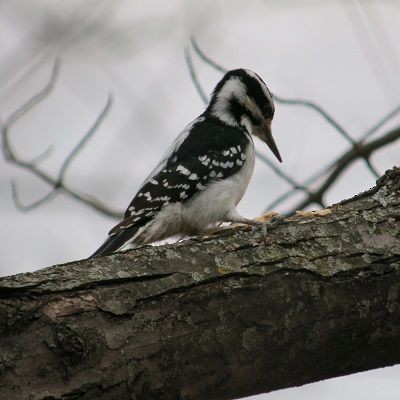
{"x":115,"y":242}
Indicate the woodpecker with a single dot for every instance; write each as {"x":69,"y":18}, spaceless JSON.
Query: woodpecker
{"x":206,"y":171}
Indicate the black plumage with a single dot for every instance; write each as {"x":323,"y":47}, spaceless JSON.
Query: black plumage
{"x":205,"y":154}
{"x":212,"y":159}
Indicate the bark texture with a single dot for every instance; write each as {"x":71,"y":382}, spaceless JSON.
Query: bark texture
{"x":245,"y":312}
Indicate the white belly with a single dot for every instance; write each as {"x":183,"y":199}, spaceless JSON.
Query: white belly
{"x":206,"y":209}
{"x":220,"y":198}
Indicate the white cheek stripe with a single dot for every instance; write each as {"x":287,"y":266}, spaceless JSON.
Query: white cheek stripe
{"x":234,"y":87}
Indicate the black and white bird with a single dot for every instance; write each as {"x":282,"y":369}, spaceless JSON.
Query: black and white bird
{"x":205,"y":173}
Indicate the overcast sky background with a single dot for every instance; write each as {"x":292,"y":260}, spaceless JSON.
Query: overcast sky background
{"x":343,"y":55}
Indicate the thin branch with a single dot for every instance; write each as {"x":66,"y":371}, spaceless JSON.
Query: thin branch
{"x":43,"y":156}
{"x":358,"y":149}
{"x":22,"y":207}
{"x":281,"y":100}
{"x":75,"y":151}
{"x":57,"y":184}
{"x":363,"y":150}
{"x":201,"y":93}
{"x":205,"y":58}
{"x":324,"y":114}
{"x":280,"y":199}
{"x":280,"y":173}
{"x":330,"y":120}
{"x":37,"y":98}
{"x":194,"y":77}
{"x":381,"y":122}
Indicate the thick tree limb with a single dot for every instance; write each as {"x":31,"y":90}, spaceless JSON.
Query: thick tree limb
{"x":245,"y":312}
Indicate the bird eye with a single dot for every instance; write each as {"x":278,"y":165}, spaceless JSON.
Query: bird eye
{"x":255,"y":120}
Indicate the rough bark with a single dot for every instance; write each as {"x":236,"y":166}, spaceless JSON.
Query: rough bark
{"x":245,"y":312}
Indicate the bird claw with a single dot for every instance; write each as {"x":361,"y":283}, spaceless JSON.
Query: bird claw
{"x":268,"y":221}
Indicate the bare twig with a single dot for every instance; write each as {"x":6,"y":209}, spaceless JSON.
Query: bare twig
{"x":381,"y":122}
{"x":205,"y":58}
{"x":293,"y":102}
{"x":57,"y":184}
{"x":342,"y":163}
{"x":295,"y":185}
{"x":71,"y":156}
{"x":43,"y":156}
{"x":201,"y":93}
{"x":37,"y":97}
{"x":324,"y":114}
{"x":358,"y":150}
{"x":281,"y":100}
{"x":22,"y":207}
{"x":193,"y":75}
{"x":329,"y":119}
{"x":313,"y":178}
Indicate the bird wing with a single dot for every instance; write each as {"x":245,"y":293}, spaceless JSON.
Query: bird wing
{"x":210,"y":151}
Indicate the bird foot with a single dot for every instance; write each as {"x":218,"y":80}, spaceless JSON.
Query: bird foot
{"x":268,"y":220}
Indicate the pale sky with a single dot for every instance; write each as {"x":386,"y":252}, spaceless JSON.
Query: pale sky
{"x":342,"y":54}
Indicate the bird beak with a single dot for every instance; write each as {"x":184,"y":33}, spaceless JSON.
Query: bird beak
{"x":269,"y":140}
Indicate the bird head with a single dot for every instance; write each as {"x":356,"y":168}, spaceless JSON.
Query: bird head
{"x":242,"y":99}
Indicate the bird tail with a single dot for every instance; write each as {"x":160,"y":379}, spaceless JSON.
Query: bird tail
{"x":115,"y":242}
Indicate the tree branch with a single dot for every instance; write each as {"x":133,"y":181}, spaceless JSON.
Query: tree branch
{"x":342,"y":163}
{"x":240,"y":313}
{"x":358,"y":147}
{"x":200,"y":91}
{"x":57,"y":184}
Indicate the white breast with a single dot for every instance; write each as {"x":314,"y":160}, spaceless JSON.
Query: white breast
{"x":221,"y":197}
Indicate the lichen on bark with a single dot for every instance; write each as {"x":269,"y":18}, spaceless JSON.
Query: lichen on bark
{"x":303,"y":298}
